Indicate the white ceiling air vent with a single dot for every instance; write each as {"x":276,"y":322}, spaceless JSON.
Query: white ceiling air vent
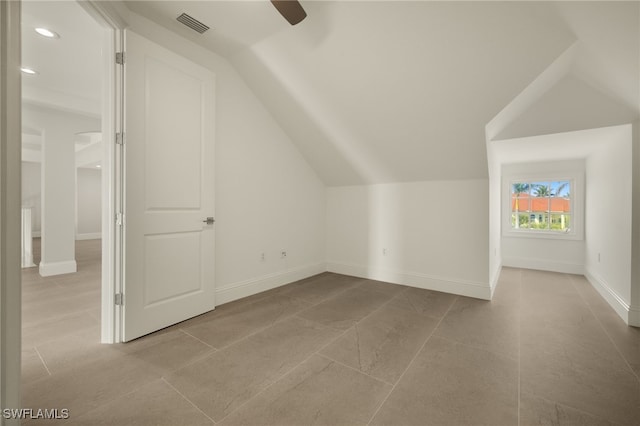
{"x":192,"y":23}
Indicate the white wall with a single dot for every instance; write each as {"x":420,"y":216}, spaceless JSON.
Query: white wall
{"x":88,"y":203}
{"x":634,"y":315}
{"x":268,"y":199}
{"x":58,"y":131}
{"x":543,"y":253}
{"x":31,"y":193}
{"x":425,"y":234}
{"x":608,"y":221}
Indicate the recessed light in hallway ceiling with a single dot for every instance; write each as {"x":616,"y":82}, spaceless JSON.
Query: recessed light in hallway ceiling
{"x":28,"y":71}
{"x":45,"y":32}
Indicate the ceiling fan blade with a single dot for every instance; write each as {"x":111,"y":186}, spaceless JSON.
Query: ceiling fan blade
{"x":291,"y":10}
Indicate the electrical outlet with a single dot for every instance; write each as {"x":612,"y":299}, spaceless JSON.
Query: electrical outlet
{"x":598,"y":257}
{"x":384,"y":251}
{"x":283,"y":254}
{"x":263,"y":257}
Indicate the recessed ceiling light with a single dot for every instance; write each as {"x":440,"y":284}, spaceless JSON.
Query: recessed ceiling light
{"x":44,"y":32}
{"x":98,"y":165}
{"x":28,"y":70}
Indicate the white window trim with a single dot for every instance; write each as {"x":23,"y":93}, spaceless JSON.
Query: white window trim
{"x":577,"y":206}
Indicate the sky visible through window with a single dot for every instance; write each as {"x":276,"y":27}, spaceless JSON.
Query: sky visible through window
{"x":541,"y":206}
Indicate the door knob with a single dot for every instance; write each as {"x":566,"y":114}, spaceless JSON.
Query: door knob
{"x":209,"y":220}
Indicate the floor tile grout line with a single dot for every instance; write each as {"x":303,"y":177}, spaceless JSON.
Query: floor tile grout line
{"x":187,"y":399}
{"x":109,"y":401}
{"x":258,"y":331}
{"x":295,"y":314}
{"x":476,"y":347}
{"x":571,"y":278}
{"x":285,"y":374}
{"x":580,"y":410}
{"x":313,"y":305}
{"x":35,"y":348}
{"x":354,"y":369}
{"x":412,"y":361}
{"x":199,"y":340}
{"x":230,"y":344}
{"x":193,"y":361}
{"x":331,"y":341}
{"x":606,"y":332}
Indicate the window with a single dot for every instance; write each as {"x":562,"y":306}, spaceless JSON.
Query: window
{"x":542,"y":206}
{"x":543,"y":200}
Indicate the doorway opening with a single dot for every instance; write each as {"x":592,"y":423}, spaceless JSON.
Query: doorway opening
{"x":68,"y":111}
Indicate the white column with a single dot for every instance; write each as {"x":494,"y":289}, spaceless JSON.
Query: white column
{"x":58,"y":201}
{"x":27,"y":239}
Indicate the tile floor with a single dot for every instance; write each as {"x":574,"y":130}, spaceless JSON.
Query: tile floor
{"x":337,"y":350}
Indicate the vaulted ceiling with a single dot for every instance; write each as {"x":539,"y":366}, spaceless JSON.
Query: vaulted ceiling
{"x":391,"y":91}
{"x":382,"y":91}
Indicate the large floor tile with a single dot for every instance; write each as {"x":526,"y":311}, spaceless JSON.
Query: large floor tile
{"x":383,"y":344}
{"x":483,"y":324}
{"x":167,"y":352}
{"x":32,"y":366}
{"x":320,"y":287}
{"x":156,"y":404}
{"x":227,"y":328}
{"x":583,"y":342}
{"x":454,"y":384}
{"x":222,"y":382}
{"x":41,"y":332}
{"x":386,"y":288}
{"x":585,"y":381}
{"x":88,"y":386}
{"x":74,"y":349}
{"x":425,"y":302}
{"x":625,"y":338}
{"x":318,"y":392}
{"x":348,"y":308}
{"x":536,"y":411}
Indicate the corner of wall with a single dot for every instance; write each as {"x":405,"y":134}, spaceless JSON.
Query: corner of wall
{"x":634,"y":314}
{"x":266,"y":282}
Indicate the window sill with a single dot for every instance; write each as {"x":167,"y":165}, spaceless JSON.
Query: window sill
{"x":571,"y":236}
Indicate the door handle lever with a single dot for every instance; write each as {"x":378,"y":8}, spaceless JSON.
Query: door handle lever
{"x":209,"y":221}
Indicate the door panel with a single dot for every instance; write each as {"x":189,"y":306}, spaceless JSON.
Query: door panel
{"x":169,"y":188}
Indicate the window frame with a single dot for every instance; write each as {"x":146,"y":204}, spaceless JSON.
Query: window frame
{"x":576,"y":180}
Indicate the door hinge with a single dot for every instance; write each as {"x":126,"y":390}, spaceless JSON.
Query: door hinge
{"x":119,"y":218}
{"x":120,"y":58}
{"x":120,"y":138}
{"x":119,"y":299}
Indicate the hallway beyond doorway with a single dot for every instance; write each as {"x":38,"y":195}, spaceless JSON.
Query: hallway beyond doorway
{"x":60,"y":306}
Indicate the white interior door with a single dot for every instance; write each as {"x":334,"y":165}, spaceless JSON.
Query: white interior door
{"x":169,"y":188}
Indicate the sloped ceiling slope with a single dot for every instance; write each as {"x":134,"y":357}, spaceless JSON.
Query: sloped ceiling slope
{"x":570,"y":105}
{"x":601,"y":85}
{"x":387,"y":92}
{"x":379,"y":91}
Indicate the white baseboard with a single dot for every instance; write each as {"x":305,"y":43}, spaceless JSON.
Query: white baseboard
{"x":250,"y":287}
{"x":543,"y":265}
{"x":89,"y":236}
{"x":634,"y":317}
{"x":478,"y":290}
{"x":58,"y":268}
{"x":613,"y":299}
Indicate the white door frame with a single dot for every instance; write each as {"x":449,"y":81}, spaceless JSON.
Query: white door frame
{"x":10,"y":202}
{"x":106,"y":15}
{"x":10,"y":198}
